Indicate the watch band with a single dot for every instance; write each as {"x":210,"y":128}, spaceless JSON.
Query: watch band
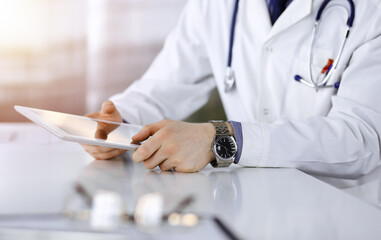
{"x":218,"y":164}
{"x":220,"y":127}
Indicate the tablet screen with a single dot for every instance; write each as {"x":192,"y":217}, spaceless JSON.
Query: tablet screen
{"x":84,"y":129}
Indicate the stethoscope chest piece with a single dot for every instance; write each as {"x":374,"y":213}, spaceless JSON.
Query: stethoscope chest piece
{"x":229,"y":80}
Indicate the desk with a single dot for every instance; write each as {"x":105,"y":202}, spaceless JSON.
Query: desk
{"x":255,"y":203}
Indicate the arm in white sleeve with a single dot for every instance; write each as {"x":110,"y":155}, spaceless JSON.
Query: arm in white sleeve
{"x":345,"y":143}
{"x":179,"y":81}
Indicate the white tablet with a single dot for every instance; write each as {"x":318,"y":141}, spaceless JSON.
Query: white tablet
{"x":83,"y":129}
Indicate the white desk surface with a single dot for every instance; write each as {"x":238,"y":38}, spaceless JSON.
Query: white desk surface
{"x":37,"y":174}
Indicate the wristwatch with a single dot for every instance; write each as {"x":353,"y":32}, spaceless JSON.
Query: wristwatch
{"x":224,"y":146}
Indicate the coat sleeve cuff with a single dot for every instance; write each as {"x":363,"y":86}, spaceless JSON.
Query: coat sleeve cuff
{"x":237,"y":128}
{"x":256,"y":143}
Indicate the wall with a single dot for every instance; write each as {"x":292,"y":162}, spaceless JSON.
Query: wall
{"x":42,"y":55}
{"x":124,"y":37}
{"x":70,"y":55}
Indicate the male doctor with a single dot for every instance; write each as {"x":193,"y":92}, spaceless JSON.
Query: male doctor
{"x":276,"y":121}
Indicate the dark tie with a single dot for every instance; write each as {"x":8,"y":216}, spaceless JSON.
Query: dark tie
{"x":276,"y":7}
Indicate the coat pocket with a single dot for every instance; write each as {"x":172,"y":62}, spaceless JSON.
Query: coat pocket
{"x":302,"y":101}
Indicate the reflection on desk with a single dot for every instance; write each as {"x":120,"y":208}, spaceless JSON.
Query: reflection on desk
{"x":133,"y":181}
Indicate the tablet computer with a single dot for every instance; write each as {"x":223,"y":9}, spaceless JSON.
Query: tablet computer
{"x":83,"y":129}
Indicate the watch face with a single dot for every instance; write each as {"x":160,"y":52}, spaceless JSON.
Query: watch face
{"x":225,"y":147}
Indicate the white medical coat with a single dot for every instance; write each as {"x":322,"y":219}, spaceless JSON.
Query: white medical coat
{"x":285,"y":123}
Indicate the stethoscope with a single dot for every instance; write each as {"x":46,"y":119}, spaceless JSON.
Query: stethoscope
{"x":328,"y":70}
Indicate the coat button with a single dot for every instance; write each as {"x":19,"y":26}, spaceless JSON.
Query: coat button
{"x":265,"y":111}
{"x":269,"y":49}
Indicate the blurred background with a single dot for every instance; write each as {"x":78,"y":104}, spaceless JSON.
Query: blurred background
{"x":71,"y":55}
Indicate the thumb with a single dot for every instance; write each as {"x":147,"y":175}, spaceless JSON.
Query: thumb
{"x":108,"y":107}
{"x":149,"y":130}
{"x":143,"y":134}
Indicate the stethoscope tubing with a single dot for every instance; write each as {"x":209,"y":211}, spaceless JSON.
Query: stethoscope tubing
{"x":323,"y":83}
{"x":232,"y":33}
{"x":230,"y":77}
{"x":229,"y":80}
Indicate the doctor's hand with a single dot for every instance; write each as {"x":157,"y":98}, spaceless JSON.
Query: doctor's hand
{"x":181,"y":146}
{"x":109,"y":113}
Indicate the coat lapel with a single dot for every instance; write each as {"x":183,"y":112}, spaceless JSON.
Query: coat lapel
{"x":297,"y":10}
{"x":258,"y":17}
